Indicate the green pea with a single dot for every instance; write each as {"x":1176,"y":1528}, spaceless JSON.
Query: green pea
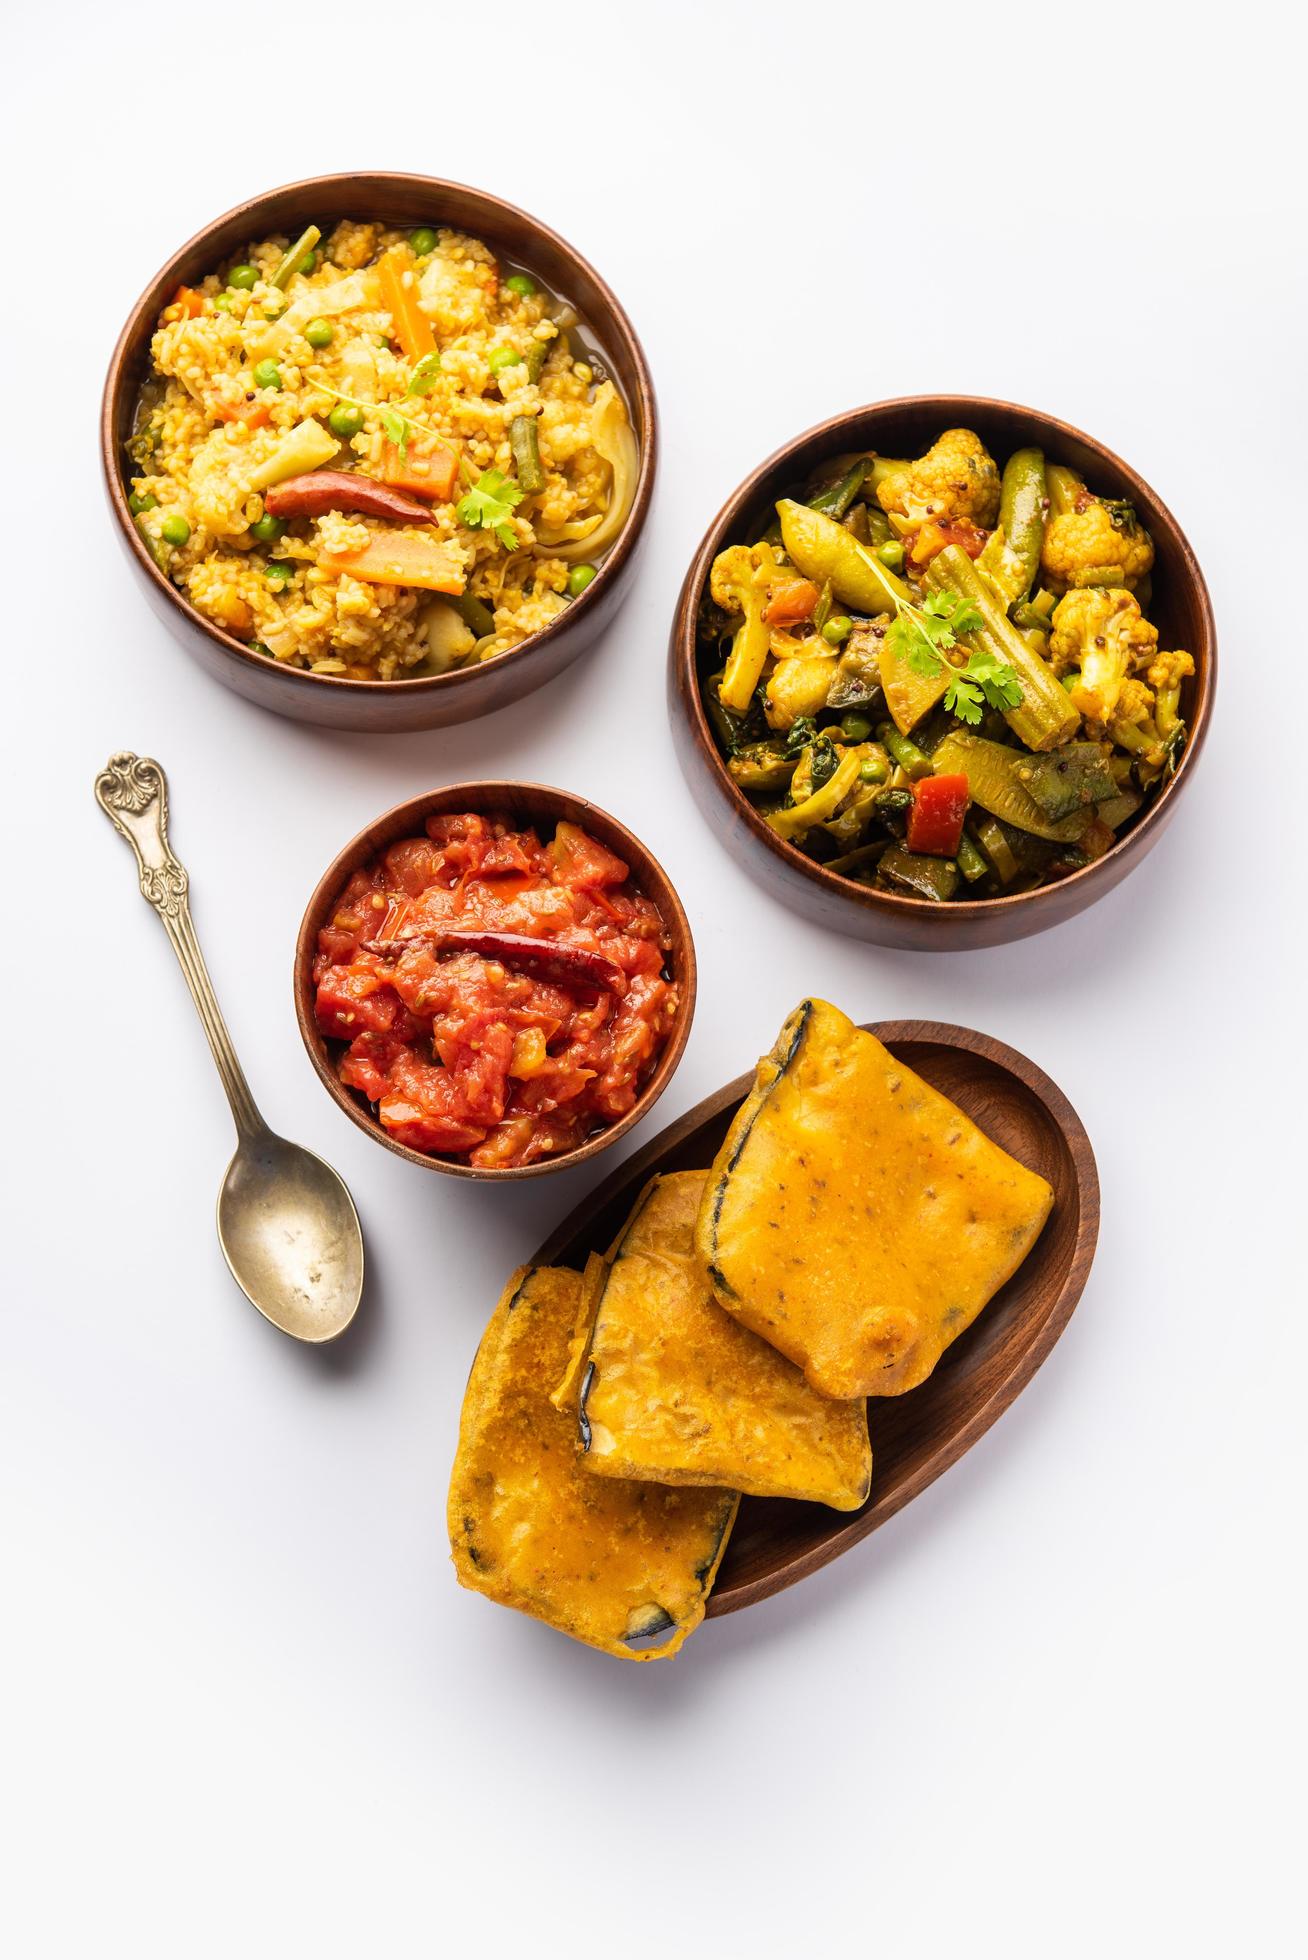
{"x":837,"y":628}
{"x":891,"y":555}
{"x":345,"y":422}
{"x":502,"y":357}
{"x":141,"y":500}
{"x":855,"y":728}
{"x":267,"y":375}
{"x":267,"y":528}
{"x":521,"y":285}
{"x":578,"y":579}
{"x":280,"y":572}
{"x":223,"y":303}
{"x":308,"y":264}
{"x":874,"y":770}
{"x":174,"y":530}
{"x":318,"y":333}
{"x":423,"y":240}
{"x":243,"y":277}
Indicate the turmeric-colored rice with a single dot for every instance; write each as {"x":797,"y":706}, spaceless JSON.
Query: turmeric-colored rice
{"x":233,"y":376}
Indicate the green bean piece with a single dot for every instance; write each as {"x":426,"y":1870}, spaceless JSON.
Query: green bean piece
{"x":475,"y":614}
{"x":836,"y":499}
{"x":243,"y":277}
{"x":157,"y":549}
{"x":837,"y":629}
{"x":908,"y":755}
{"x":297,"y":259}
{"x":970,"y":861}
{"x":524,"y":441}
{"x":1029,"y":619}
{"x":1011,"y":556}
{"x":932,"y":878}
{"x":537,"y":354}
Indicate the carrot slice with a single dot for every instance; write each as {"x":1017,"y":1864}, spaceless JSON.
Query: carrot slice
{"x":412,"y":327}
{"x":399,"y":558}
{"x":186,"y":304}
{"x":791,"y":602}
{"x":253,"y":414}
{"x":429,"y":469}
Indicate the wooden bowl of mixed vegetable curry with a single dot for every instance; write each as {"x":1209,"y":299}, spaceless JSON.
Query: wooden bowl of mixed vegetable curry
{"x":380,"y":449}
{"x":943,"y":665}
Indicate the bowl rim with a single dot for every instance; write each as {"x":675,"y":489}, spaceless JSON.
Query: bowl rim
{"x":958,"y":911}
{"x":646,"y":873}
{"x":618,"y":328}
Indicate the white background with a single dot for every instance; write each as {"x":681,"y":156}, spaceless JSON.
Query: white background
{"x":1054,"y":1708}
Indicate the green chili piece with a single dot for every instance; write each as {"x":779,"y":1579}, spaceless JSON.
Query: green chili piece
{"x":836,"y":499}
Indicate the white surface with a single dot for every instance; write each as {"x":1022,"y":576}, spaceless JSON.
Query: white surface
{"x":1052,"y":1707}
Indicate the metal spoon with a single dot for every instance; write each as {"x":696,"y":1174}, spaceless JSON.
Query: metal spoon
{"x":286,"y":1223}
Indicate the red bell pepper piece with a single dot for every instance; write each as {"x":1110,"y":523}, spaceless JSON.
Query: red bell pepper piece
{"x":935,"y":822}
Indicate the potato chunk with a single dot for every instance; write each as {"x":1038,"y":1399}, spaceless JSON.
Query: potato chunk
{"x":854,"y":1217}
{"x":610,"y":1563}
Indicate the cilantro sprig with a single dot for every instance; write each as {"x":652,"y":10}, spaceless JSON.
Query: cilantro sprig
{"x":924,"y":635}
{"x":489,"y":505}
{"x":423,"y":378}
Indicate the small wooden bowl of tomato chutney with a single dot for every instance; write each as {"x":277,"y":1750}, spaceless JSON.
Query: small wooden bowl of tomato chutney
{"x":495,"y":979}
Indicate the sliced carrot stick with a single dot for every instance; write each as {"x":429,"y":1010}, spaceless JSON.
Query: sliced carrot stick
{"x":399,"y":295}
{"x":186,"y":304}
{"x":399,"y":558}
{"x":429,"y":469}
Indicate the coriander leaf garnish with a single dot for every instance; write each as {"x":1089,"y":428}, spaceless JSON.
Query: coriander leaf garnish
{"x":923,"y":636}
{"x":489,"y":505}
{"x":399,"y":429}
{"x":423,"y":378}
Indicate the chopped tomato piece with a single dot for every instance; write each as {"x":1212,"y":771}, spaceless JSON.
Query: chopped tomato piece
{"x":581,"y":859}
{"x":935,"y":822}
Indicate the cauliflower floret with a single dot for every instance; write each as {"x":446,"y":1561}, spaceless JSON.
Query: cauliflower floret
{"x":740,"y":581}
{"x":1103,"y":543}
{"x":1168,"y":670}
{"x":956,"y":479}
{"x":1103,"y":632}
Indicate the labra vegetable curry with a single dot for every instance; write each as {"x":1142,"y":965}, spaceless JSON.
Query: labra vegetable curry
{"x":938,"y":677}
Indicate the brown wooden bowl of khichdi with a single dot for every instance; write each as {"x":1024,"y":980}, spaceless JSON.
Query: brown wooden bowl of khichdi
{"x":380,"y":449}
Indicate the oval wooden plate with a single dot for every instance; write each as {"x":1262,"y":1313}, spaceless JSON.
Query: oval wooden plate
{"x":915,"y":1436}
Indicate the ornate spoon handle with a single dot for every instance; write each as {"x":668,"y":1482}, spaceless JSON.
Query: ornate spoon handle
{"x":132,"y":790}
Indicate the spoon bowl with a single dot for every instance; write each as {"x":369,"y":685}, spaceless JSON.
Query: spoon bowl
{"x":290,"y":1235}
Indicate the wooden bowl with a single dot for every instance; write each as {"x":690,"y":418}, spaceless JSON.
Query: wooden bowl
{"x":435,"y":700}
{"x":1180,"y":609}
{"x":542,"y":808}
{"x":918,"y":1435}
